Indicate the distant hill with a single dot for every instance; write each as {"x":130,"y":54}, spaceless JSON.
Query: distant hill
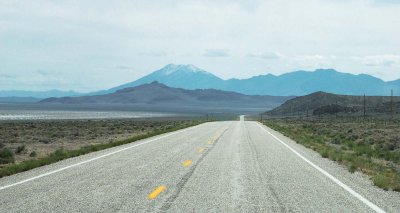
{"x":161,"y":96}
{"x":178,"y":76}
{"x":327,"y":103}
{"x":37,"y":94}
{"x":18,"y":100}
{"x":290,"y":84}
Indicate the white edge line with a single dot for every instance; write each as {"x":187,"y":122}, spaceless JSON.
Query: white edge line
{"x":93,"y":159}
{"x":338,"y":182}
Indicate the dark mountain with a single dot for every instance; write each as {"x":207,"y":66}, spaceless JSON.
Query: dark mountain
{"x":37,"y":94}
{"x":19,"y":100}
{"x":161,"y":96}
{"x":321,"y":103}
{"x":295,"y":83}
{"x":178,"y":76}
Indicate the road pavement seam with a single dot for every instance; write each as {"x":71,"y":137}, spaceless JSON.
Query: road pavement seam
{"x":331,"y":177}
{"x":179,"y":186}
{"x":260,"y":174}
{"x":93,"y":159}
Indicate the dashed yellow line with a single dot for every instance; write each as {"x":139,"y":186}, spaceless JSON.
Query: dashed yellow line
{"x":187,"y":163}
{"x":200,"y":150}
{"x":156,"y":192}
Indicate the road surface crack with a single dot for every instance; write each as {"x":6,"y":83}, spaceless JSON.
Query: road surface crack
{"x":170,"y":200}
{"x":260,"y":170}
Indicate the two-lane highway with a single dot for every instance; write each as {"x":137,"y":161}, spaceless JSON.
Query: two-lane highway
{"x":237,"y":166}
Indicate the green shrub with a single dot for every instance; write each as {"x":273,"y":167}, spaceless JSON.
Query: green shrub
{"x":336,"y":141}
{"x":33,"y":154}
{"x":381,"y":181}
{"x":352,"y":168}
{"x":6,"y":156}
{"x":324,"y":153}
{"x":45,"y":141}
{"x":20,"y":149}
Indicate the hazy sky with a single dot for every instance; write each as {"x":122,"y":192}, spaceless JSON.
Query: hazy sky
{"x":91,"y":45}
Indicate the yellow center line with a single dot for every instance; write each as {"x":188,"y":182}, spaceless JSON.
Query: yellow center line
{"x":200,"y":150}
{"x":187,"y":163}
{"x":215,"y":138}
{"x":156,"y":192}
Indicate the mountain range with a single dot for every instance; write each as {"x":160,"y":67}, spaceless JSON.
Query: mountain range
{"x":157,"y":95}
{"x":296,"y":83}
{"x":38,"y":94}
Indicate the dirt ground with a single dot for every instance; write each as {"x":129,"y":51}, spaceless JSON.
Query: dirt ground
{"x":34,"y":139}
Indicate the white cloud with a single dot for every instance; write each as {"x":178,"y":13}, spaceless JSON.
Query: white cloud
{"x":216,"y":53}
{"x":380,"y":60}
{"x":88,"y":39}
{"x":265,"y":55}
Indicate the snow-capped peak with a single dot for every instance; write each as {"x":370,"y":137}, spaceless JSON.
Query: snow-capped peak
{"x":171,"y":68}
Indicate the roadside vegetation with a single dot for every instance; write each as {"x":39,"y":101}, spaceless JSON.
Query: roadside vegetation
{"x":370,"y":146}
{"x":25,"y":145}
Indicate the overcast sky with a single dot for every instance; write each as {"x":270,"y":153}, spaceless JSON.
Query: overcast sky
{"x":91,"y":45}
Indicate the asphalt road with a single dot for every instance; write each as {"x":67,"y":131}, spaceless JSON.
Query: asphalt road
{"x":237,"y":166}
